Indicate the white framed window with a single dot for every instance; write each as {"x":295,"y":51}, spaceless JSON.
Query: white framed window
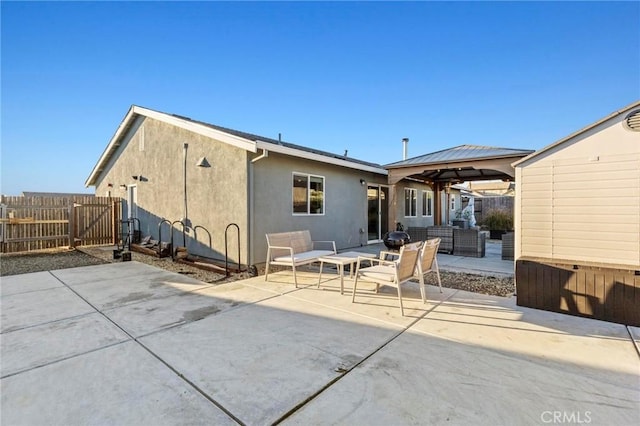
{"x":307,"y":194}
{"x":410,"y":202}
{"x":452,"y":197}
{"x":427,"y":203}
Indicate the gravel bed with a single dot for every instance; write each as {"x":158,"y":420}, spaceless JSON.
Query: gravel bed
{"x":13,"y":264}
{"x":24,"y":263}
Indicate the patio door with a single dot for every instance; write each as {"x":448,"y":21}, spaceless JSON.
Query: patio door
{"x":377,"y":212}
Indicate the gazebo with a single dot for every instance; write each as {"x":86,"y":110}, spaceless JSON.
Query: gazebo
{"x":463,"y":163}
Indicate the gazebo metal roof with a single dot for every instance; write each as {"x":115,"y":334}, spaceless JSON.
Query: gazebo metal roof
{"x":459,"y":164}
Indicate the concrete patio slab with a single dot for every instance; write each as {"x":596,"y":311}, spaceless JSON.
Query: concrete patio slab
{"x":478,"y":359}
{"x":122,"y":384}
{"x":37,"y":346}
{"x":38,"y":307}
{"x":111,"y":271}
{"x":420,"y":379}
{"x":107,"y":293}
{"x":368,"y":303}
{"x":261,"y":352}
{"x":635,"y":335}
{"x":262,"y":360}
{"x":24,"y":283}
{"x":497,"y":323}
{"x":157,"y":313}
{"x":282,"y":282}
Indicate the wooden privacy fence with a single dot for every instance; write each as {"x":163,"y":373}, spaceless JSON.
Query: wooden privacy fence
{"x":483,"y":205}
{"x":38,"y":223}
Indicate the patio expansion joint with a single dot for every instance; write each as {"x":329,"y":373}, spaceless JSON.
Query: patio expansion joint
{"x":26,"y":327}
{"x":375,"y":351}
{"x":24,"y":370}
{"x":633,"y":340}
{"x":165,"y":363}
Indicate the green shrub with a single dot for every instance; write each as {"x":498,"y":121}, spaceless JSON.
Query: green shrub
{"x":498,"y":220}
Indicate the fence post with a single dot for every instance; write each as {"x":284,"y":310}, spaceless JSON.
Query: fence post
{"x":72,"y":234}
{"x":113,"y":222}
{"x":3,"y":226}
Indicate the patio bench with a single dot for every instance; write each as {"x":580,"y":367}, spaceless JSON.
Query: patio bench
{"x":293,"y":249}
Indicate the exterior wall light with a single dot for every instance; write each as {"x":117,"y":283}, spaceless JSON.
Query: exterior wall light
{"x":203,"y":162}
{"x":362,"y":182}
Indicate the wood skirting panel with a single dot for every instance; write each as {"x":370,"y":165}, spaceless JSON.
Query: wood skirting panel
{"x":599,"y":292}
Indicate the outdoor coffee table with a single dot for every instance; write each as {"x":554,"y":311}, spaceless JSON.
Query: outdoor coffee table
{"x":340,"y":260}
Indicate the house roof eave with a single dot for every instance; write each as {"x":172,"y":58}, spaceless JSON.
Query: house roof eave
{"x":184,"y":123}
{"x":323,"y":157}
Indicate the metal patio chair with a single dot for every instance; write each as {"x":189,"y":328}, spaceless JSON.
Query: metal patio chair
{"x":390,"y":272}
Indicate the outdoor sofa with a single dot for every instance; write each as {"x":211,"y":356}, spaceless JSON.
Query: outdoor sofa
{"x":293,"y":249}
{"x":469,"y":242}
{"x":445,"y":233}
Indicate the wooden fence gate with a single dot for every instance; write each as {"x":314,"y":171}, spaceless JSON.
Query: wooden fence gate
{"x":38,"y":223}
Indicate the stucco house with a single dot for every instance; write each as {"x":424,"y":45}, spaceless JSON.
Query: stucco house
{"x":167,"y":166}
{"x":577,"y":220}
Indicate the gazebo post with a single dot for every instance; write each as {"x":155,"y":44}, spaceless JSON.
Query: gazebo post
{"x":437,"y":204}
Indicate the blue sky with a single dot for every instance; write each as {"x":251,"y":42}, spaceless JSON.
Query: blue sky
{"x":329,"y":75}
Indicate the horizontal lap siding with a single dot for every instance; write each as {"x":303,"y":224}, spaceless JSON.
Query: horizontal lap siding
{"x":596,"y":210}
{"x":578,"y":209}
{"x":536,"y":211}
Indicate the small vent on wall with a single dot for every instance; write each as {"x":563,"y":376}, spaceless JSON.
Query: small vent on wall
{"x":633,"y":121}
{"x":141,"y":139}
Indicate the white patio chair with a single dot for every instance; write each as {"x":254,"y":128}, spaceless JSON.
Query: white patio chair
{"x":394,"y":273}
{"x":428,"y":262}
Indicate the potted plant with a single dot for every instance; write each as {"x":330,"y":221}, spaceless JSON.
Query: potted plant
{"x":499,"y":222}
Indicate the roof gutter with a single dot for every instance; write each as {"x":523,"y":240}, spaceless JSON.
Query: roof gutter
{"x":281,"y":149}
{"x":264,"y":154}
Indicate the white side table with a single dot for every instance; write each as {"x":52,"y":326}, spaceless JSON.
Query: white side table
{"x":340,"y":260}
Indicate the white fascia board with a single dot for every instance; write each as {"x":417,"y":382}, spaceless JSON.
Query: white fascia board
{"x":169,"y":119}
{"x":111,"y":147}
{"x":200,"y":129}
{"x":318,"y":157}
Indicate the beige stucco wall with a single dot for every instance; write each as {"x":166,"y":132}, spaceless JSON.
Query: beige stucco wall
{"x":581,"y":199}
{"x":420,"y":220}
{"x":345,"y":202}
{"x":216,"y":196}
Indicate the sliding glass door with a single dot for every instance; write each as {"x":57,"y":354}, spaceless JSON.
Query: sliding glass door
{"x":377,"y":212}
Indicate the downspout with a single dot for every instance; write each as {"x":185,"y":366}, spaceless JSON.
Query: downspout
{"x":185,"y":146}
{"x":252,"y":216}
{"x":264,"y":154}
